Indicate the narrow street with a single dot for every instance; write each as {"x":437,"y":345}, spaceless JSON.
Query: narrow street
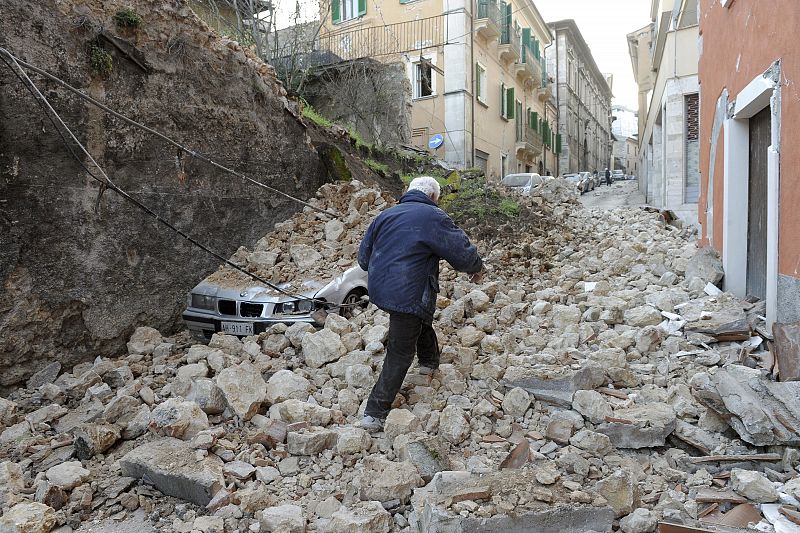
{"x":621,"y":193}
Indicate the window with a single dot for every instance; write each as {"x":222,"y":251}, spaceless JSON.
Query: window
{"x":688,"y":14}
{"x":342,"y":10}
{"x":506,"y":102}
{"x":691,"y":187}
{"x":422,"y":79}
{"x":480,"y":82}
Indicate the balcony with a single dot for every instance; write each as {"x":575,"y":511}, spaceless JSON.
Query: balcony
{"x":487,"y":19}
{"x":529,"y":143}
{"x":545,"y":92}
{"x":528,"y":67}
{"x":509,"y":47}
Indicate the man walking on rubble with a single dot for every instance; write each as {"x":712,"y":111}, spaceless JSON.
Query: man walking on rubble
{"x":401,"y":251}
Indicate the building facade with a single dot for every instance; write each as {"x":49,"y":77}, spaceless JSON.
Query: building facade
{"x":669,"y":134}
{"x":748,"y":153}
{"x":624,"y":127}
{"x":486,"y":93}
{"x":584,"y":101}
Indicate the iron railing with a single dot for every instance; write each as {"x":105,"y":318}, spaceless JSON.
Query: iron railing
{"x":509,"y":36}
{"x":488,"y":9}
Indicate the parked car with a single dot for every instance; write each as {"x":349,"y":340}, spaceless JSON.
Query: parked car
{"x":523,"y":182}
{"x":576,"y":180}
{"x":617,"y":175}
{"x":589,"y":179}
{"x":248,"y":309}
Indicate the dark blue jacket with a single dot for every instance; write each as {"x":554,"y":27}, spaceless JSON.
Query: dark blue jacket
{"x":401,"y":251}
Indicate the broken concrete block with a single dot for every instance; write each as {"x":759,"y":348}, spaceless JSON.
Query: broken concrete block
{"x":28,"y":518}
{"x":292,"y":411}
{"x":786,"y":348}
{"x":350,"y":440}
{"x":44,"y":376}
{"x":646,"y":426}
{"x":11,"y":484}
{"x":706,"y":265}
{"x":429,"y":455}
{"x":282,"y":519}
{"x":516,"y":402}
{"x":595,"y":443}
{"x":383,"y":480}
{"x":364,"y":517}
{"x":91,"y":439}
{"x":205,"y":393}
{"x":641,"y":520}
{"x":453,"y":424}
{"x":554,"y":383}
{"x":173,"y":468}
{"x":244,"y":389}
{"x":591,"y":405}
{"x":400,"y":422}
{"x":144,"y":340}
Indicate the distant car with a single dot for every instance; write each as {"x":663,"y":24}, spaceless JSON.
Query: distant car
{"x":244,"y":309}
{"x":617,"y":175}
{"x":523,"y":182}
{"x":589,"y":179}
{"x":576,"y":180}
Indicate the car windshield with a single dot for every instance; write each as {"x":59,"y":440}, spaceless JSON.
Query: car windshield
{"x":517,"y":180}
{"x":573,"y":178}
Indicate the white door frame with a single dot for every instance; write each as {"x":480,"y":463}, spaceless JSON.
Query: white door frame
{"x":762,"y":92}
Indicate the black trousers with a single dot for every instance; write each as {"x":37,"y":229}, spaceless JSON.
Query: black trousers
{"x":407,"y":334}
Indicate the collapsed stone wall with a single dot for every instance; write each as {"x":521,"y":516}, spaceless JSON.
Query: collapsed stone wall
{"x":79,"y":268}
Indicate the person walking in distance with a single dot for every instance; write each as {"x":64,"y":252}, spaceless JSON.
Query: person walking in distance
{"x":608,"y":177}
{"x":401,"y":251}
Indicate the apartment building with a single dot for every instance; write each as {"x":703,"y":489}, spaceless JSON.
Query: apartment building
{"x":749,"y":155}
{"x":664,"y":57}
{"x":584,"y":101}
{"x":481,"y":95}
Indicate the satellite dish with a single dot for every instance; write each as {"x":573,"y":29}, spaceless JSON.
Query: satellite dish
{"x":436,"y":141}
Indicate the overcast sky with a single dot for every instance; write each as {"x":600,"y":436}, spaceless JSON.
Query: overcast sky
{"x":604,"y":25}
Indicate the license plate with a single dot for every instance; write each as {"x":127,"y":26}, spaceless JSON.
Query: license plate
{"x":237,"y":328}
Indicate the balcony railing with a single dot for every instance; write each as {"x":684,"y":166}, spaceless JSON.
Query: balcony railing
{"x":530,"y":141}
{"x":487,"y":18}
{"x":509,"y":42}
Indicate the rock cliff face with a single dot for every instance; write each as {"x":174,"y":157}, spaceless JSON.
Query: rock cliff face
{"x":79,"y":268}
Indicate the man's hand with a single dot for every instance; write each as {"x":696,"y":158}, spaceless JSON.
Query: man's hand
{"x":477,"y":276}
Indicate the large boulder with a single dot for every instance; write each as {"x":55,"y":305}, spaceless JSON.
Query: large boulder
{"x":244,"y":389}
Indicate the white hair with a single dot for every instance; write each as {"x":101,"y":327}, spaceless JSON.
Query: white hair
{"x":426,"y":184}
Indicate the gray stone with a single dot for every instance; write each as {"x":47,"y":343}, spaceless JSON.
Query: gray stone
{"x":285,"y":518}
{"x":706,"y":265}
{"x":205,"y":393}
{"x":44,"y":376}
{"x":310,"y":441}
{"x":238,"y":469}
{"x":620,"y":491}
{"x":429,"y":455}
{"x":292,"y":411}
{"x":651,"y":424}
{"x":91,"y":439}
{"x":516,"y":402}
{"x":28,"y":518}
{"x":11,"y":484}
{"x":121,"y":409}
{"x":591,"y":405}
{"x":595,"y":443}
{"x":644,"y":315}
{"x":118,"y":377}
{"x":641,"y":520}
{"x":172,"y":466}
{"x":753,"y":485}
{"x":383,"y":480}
{"x":352,"y":440}
{"x":285,"y":385}
{"x":244,"y":389}
{"x":453,"y":425}
{"x":304,"y":256}
{"x":68,"y":475}
{"x":267,"y":474}
{"x":322,"y":347}
{"x":144,"y":340}
{"x":554,"y":383}
{"x":400,"y":422}
{"x":364,"y":517}
{"x":178,"y":418}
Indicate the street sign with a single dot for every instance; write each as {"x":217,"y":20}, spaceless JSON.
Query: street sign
{"x":436,"y":141}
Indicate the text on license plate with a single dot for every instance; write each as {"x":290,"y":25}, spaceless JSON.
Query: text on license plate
{"x":237,"y":328}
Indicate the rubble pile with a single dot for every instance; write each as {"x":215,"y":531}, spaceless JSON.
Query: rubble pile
{"x":597,"y":380}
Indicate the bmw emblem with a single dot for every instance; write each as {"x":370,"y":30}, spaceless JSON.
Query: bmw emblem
{"x":243,"y":294}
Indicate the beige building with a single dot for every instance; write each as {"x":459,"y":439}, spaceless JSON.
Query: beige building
{"x":476,"y":70}
{"x":664,"y":56}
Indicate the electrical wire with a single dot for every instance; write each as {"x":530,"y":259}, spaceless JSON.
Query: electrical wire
{"x":106,"y":181}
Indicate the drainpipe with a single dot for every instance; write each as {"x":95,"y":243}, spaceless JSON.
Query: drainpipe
{"x":544,"y":151}
{"x":472,"y":69}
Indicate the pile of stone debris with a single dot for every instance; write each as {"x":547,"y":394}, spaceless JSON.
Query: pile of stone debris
{"x":606,"y":385}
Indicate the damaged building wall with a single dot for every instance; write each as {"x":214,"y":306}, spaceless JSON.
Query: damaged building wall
{"x":740,"y":43}
{"x":373,"y":98}
{"x":79,"y":270}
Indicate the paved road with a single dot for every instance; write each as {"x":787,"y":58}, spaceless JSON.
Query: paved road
{"x":619,"y":194}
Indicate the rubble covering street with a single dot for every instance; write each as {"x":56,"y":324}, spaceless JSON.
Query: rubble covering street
{"x":587,"y":384}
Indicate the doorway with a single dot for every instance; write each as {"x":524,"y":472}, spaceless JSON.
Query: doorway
{"x":760,"y":140}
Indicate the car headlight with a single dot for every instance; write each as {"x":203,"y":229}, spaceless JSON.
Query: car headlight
{"x":305,"y":306}
{"x":294,"y":307}
{"x":202,"y":301}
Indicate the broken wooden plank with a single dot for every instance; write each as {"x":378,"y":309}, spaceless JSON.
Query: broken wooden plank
{"x":705,"y":511}
{"x":476,"y":493}
{"x":613,"y":392}
{"x":671,"y":527}
{"x":786,"y":350}
{"x":740,"y":516}
{"x":790,"y":514}
{"x":618,"y":420}
{"x":770,"y":457}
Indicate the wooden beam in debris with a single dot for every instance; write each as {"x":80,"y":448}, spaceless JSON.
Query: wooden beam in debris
{"x":771,"y":457}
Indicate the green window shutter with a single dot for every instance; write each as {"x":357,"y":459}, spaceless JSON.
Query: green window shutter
{"x":503,"y":105}
{"x":477,"y":80}
{"x":508,"y":16}
{"x":536,"y":51}
{"x":526,"y":37}
{"x":510,"y":103}
{"x":558,"y":144}
{"x":535,"y":120}
{"x":362,"y":7}
{"x":336,"y":12}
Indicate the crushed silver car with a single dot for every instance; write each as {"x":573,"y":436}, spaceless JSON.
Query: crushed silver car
{"x":214,"y":306}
